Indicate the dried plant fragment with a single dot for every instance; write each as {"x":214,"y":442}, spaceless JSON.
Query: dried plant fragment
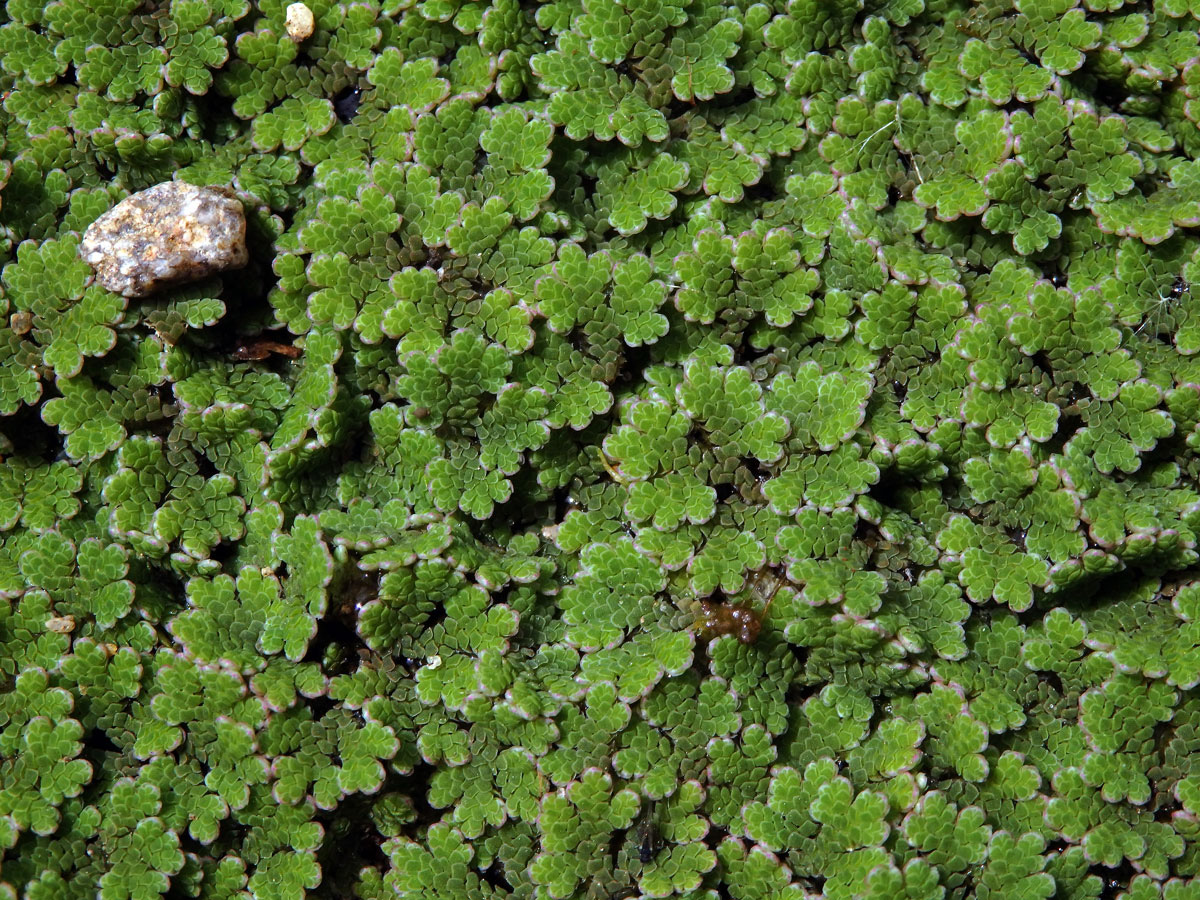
{"x":260,"y":348}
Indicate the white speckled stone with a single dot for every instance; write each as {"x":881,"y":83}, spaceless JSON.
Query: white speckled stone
{"x":171,"y":233}
{"x":299,"y":22}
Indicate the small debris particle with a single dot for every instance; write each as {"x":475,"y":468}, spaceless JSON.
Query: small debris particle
{"x":21,"y":322}
{"x":173,"y":232}
{"x":737,"y":619}
{"x":61,"y":624}
{"x":299,"y":22}
{"x":261,"y":349}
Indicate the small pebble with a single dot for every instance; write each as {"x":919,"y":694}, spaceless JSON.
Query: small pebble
{"x":299,"y":22}
{"x":171,"y":233}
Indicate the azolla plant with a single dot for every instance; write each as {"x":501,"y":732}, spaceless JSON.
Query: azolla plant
{"x":665,"y":448}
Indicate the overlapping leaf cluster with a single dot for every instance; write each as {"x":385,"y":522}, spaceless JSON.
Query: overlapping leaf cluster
{"x":876,"y":317}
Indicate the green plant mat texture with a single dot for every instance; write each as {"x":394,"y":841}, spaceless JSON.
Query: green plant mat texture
{"x":701,"y":449}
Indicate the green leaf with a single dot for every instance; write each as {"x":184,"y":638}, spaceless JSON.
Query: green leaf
{"x":614,"y":590}
{"x":574,"y":824}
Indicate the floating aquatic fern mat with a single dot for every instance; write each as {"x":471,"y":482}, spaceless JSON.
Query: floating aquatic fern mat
{"x":655,"y":448}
